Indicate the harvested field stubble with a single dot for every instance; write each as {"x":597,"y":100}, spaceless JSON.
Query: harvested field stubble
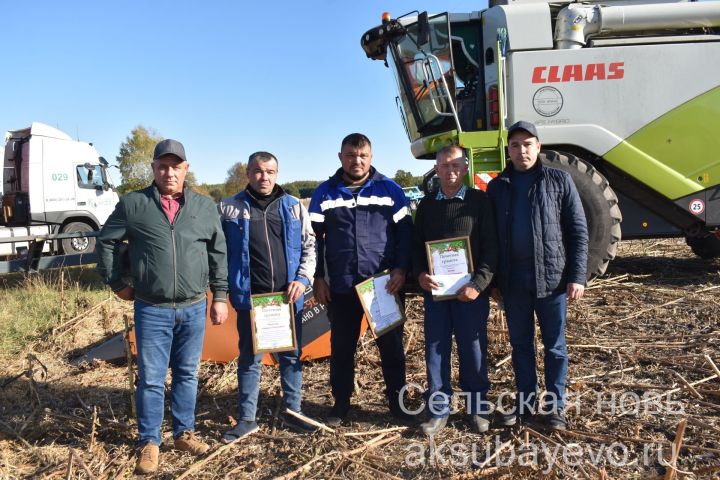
{"x":644,"y":346}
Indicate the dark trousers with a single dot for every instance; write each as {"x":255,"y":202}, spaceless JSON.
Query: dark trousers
{"x":520,"y":303}
{"x":346,"y":313}
{"x":467,"y":321}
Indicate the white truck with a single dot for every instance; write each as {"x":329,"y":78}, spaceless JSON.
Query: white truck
{"x":52,"y":184}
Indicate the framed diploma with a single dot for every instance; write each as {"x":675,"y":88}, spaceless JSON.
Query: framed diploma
{"x":382,"y":310}
{"x":273,"y":323}
{"x":451,"y":266}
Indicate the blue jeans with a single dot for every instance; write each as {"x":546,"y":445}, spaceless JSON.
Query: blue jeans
{"x":520,"y":303}
{"x":249,"y":366}
{"x":167,"y":337}
{"x":468,"y":321}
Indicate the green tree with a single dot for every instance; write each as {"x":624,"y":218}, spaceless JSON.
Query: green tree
{"x":291,"y":189}
{"x":217,"y":193}
{"x":404,"y":179}
{"x":134,"y":158}
{"x":191,"y":180}
{"x":236,"y":179}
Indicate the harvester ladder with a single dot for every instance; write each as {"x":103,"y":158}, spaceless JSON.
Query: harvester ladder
{"x":487,"y":155}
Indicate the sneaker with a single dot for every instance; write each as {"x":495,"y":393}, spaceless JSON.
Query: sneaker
{"x":479,"y":423}
{"x":338,"y":413}
{"x":241,"y":430}
{"x":556,"y":421}
{"x":189,"y":442}
{"x":434,"y":425}
{"x":297,"y":424}
{"x":148,"y":458}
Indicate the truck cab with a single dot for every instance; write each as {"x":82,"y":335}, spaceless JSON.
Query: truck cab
{"x":53,"y":184}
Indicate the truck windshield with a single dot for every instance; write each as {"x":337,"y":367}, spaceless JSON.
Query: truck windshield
{"x":419,"y":69}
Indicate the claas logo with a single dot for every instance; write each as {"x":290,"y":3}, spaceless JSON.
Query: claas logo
{"x":578,"y":72}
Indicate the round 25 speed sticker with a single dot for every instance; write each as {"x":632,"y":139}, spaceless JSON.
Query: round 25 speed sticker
{"x":697,"y":206}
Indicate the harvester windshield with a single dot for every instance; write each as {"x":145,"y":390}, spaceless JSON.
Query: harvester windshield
{"x":424,"y":74}
{"x":436,"y":71}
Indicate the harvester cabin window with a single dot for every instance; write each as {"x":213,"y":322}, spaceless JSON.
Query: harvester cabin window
{"x":89,"y":176}
{"x":420,"y":71}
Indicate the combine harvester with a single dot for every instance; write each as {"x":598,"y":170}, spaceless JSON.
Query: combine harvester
{"x":625,"y":95}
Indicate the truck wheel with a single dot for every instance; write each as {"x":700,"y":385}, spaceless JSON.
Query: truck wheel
{"x":77,"y":245}
{"x":705,"y":247}
{"x":600,"y":205}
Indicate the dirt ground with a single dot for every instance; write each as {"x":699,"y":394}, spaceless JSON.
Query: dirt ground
{"x":643,"y":343}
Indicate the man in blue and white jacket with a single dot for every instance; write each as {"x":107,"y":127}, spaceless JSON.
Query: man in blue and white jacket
{"x":271,"y":248}
{"x":363,"y":226}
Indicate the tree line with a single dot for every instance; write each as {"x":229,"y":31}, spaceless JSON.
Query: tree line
{"x":136,"y":153}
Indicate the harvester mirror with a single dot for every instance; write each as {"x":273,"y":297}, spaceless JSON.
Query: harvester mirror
{"x":423,"y":35}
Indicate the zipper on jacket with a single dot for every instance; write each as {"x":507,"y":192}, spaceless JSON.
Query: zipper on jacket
{"x":267,"y":241}
{"x":172,"y":234}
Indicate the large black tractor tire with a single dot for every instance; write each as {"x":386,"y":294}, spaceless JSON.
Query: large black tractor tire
{"x":706,"y":247}
{"x":77,"y":245}
{"x":600,"y":204}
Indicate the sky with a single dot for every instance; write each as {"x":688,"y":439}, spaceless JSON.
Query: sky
{"x":226,"y":78}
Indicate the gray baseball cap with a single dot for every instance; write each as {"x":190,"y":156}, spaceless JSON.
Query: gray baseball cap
{"x":523,"y":125}
{"x":169,"y":147}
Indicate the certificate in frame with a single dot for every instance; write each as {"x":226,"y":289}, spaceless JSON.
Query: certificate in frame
{"x":450,"y":264}
{"x":272,"y":320}
{"x":383,"y":311}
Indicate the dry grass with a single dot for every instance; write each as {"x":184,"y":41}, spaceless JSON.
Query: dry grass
{"x":644,"y":329}
{"x":32,"y":304}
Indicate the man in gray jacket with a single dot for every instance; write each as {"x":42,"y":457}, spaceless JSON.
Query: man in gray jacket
{"x":177,"y":249}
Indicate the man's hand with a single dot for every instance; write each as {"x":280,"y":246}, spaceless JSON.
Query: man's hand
{"x":321,"y":290}
{"x":218,"y":313}
{"x":468,"y":293}
{"x":427,"y":282}
{"x":575,"y":291}
{"x":294,"y":290}
{"x":127,"y":293}
{"x":397,"y":280}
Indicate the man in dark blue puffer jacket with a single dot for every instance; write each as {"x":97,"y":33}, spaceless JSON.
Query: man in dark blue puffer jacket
{"x":543,"y":261}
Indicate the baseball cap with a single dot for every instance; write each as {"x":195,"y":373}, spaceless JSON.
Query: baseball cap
{"x":523,"y":125}
{"x":169,"y":147}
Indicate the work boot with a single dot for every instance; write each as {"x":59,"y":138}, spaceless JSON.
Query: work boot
{"x":148,"y":458}
{"x":434,"y":425}
{"x":479,"y":423}
{"x":241,"y":430}
{"x":396,"y":409}
{"x":189,"y":442}
{"x":338,"y":412}
{"x":513,"y":417}
{"x":297,"y":425}
{"x":556,"y":421}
